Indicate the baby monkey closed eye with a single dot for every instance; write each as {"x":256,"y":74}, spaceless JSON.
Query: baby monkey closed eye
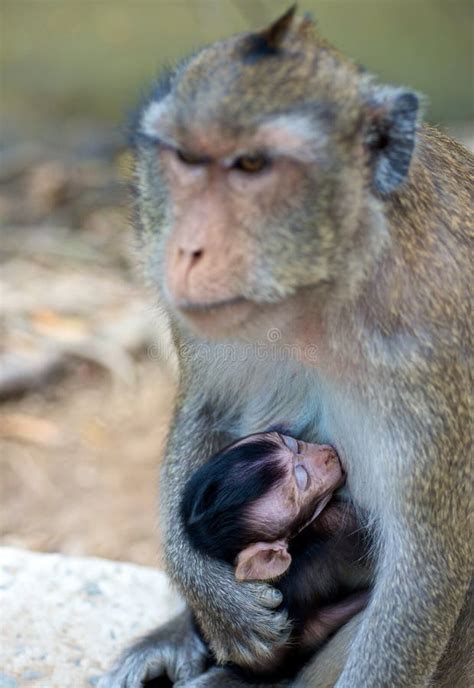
{"x":270,"y":506}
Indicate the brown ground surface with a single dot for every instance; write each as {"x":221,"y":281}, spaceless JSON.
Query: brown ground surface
{"x":81,"y":437}
{"x":91,"y":488}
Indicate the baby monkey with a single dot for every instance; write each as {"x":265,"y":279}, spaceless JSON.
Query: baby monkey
{"x":270,"y":506}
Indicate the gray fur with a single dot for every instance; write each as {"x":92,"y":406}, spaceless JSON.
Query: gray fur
{"x":381,"y":282}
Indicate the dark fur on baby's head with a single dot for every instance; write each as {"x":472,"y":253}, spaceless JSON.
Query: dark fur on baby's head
{"x":217,"y":497}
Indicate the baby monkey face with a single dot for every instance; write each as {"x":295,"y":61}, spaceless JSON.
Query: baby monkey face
{"x":312,"y":473}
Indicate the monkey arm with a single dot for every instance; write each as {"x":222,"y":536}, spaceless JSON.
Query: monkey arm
{"x":248,"y":630}
{"x":406,"y":619}
{"x":455,"y":669}
{"x":174,"y":650}
{"x":330,"y":618}
{"x":237,"y":619}
{"x":426,"y":563}
{"x":328,"y":663}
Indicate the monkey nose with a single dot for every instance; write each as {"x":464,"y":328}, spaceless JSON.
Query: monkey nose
{"x":189,"y":257}
{"x":331,"y":455}
{"x":180,"y":269}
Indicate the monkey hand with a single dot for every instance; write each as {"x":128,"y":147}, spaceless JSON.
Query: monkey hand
{"x":245,"y":629}
{"x":174,"y":650}
{"x":220,"y":677}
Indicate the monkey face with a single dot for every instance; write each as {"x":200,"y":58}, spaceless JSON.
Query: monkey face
{"x":311,"y":474}
{"x":247,"y":220}
{"x":253,"y":177}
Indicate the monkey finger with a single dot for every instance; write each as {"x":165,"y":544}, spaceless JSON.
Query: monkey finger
{"x":187,"y":671}
{"x":253,"y":645}
{"x":215,"y":677}
{"x":270,"y":597}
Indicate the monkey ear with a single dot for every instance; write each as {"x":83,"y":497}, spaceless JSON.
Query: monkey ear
{"x":391,"y":134}
{"x":276,"y":32}
{"x":269,"y":41}
{"x":262,"y":561}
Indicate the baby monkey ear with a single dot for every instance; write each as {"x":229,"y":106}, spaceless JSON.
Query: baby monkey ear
{"x":263,"y":561}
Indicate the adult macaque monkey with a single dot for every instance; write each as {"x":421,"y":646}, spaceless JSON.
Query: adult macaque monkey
{"x":279,"y":186}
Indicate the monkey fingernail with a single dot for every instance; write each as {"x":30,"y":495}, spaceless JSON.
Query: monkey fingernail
{"x":271,"y":598}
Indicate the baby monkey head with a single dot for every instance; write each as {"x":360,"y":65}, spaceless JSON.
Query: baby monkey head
{"x":259,"y":161}
{"x":249,"y":500}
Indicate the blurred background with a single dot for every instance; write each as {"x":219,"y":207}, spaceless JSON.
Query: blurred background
{"x":85,"y":391}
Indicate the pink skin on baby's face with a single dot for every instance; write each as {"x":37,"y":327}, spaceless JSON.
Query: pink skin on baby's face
{"x":313,"y":473}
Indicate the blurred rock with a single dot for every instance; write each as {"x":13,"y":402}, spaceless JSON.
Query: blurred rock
{"x":64,"y":619}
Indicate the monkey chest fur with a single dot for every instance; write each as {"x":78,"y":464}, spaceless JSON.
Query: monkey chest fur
{"x":256,"y":395}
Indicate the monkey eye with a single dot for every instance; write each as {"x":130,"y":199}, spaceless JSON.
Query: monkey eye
{"x":189,"y":158}
{"x":251,"y":164}
{"x":290,"y":443}
{"x":301,"y":476}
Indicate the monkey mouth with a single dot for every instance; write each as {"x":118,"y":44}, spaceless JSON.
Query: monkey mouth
{"x":222,"y":318}
{"x":218,"y":319}
{"x":320,"y":506}
{"x":324,"y":500}
{"x":209,"y":306}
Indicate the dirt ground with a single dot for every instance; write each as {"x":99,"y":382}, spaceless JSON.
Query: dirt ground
{"x":85,"y":391}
